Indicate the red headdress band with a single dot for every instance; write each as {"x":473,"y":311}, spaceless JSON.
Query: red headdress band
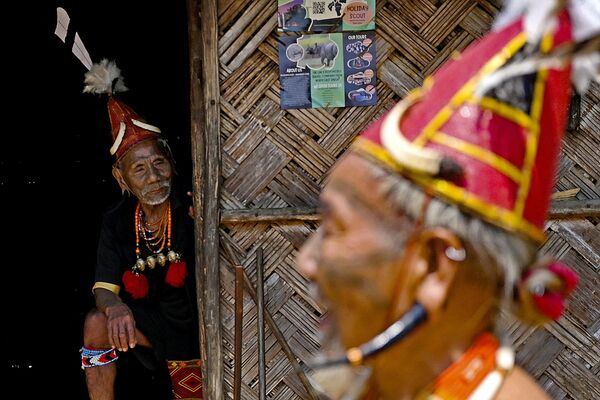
{"x":505,"y":142}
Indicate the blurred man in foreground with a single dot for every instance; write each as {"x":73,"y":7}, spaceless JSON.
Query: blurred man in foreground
{"x":432,"y":221}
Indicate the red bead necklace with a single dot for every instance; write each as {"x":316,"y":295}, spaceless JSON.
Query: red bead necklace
{"x":157,"y":238}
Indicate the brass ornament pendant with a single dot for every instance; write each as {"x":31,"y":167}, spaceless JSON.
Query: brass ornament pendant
{"x":140,"y":265}
{"x":172,"y":256}
{"x":157,"y":238}
{"x":162,"y":259}
{"x":151,"y":262}
{"x":155,"y":259}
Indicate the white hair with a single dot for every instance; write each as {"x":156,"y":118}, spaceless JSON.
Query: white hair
{"x":508,"y":252}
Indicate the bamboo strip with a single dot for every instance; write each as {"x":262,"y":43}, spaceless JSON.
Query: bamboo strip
{"x":274,"y":329}
{"x":559,"y":209}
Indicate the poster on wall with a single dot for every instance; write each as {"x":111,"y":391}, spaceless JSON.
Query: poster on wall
{"x":327,"y":70}
{"x":325,"y":15}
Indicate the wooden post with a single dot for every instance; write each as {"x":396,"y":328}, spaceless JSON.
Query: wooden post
{"x":270,"y":215}
{"x":206,"y":151}
{"x":559,"y":209}
{"x":310,"y":390}
{"x":197,"y":142}
{"x":260,"y":303}
{"x":564,"y":209}
{"x":239,"y":322}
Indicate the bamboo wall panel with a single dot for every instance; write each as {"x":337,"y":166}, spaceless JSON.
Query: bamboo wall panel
{"x":273,"y":158}
{"x":565,"y":357}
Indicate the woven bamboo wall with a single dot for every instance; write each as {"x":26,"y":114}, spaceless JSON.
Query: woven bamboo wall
{"x":273,"y":158}
{"x":565,"y":357}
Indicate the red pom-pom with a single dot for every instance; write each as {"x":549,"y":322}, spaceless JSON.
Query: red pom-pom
{"x":551,"y":305}
{"x":567,"y":275}
{"x":135,"y":284}
{"x":549,"y":285}
{"x":176,"y":274}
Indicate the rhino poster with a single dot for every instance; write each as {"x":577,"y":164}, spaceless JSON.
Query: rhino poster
{"x":325,"y":15}
{"x":327,"y":70}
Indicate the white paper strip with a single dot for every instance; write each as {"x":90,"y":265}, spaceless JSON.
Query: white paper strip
{"x":62,"y":23}
{"x":81,"y":53}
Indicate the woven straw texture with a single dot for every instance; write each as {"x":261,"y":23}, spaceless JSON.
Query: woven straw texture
{"x":273,"y":158}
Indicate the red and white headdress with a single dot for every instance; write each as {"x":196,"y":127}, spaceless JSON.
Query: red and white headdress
{"x":481,"y":135}
{"x":127,"y":127}
{"x":484,"y":132}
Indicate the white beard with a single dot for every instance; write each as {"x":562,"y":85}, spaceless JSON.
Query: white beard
{"x":154,"y":201}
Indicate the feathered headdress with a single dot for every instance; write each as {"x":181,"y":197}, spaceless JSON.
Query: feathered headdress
{"x":484,"y":132}
{"x":128,"y":128}
{"x":540,"y":18}
{"x":104,"y":77}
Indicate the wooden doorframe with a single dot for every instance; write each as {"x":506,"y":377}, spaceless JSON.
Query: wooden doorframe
{"x":206,"y":158}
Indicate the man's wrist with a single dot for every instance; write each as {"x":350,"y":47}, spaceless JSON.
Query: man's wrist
{"x":108,"y":286}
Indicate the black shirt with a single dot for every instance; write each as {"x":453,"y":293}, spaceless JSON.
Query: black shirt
{"x":167,"y":315}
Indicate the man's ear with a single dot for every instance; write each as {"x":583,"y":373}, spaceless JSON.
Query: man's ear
{"x":445,"y":252}
{"x":431,"y":260}
{"x":116,"y":172}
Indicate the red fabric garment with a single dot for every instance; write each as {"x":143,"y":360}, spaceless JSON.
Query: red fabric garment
{"x":186,"y":378}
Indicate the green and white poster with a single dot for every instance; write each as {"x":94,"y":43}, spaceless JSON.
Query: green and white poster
{"x":327,"y":70}
{"x":325,"y":15}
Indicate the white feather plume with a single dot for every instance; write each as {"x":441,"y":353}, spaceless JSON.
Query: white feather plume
{"x":104,"y":77}
{"x":539,"y":18}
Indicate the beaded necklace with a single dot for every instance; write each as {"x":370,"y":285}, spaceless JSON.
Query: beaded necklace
{"x":156,"y":240}
{"x":477,"y":375}
{"x":154,"y":234}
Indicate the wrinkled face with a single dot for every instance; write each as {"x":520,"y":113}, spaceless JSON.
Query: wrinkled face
{"x":147,"y":172}
{"x":354,"y":256}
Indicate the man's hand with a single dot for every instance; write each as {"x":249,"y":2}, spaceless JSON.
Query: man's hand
{"x":191,"y":209}
{"x":121,"y":327}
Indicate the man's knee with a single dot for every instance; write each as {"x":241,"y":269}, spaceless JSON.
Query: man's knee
{"x":94,"y":328}
{"x":96,"y":350}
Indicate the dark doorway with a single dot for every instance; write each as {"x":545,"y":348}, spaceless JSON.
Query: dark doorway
{"x":55,"y":167}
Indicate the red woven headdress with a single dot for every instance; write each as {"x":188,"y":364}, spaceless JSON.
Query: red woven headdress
{"x":504,"y":142}
{"x":484,"y":132}
{"x":127,"y":127}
